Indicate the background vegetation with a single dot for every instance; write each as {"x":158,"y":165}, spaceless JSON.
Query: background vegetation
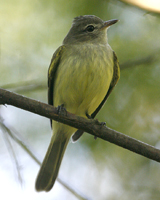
{"x":29,"y":34}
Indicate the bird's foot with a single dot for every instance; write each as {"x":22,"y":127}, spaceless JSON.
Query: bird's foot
{"x":96,"y":120}
{"x":61,"y":110}
{"x":99,"y":123}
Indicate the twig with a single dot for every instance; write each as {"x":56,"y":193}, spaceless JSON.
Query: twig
{"x":20,"y":141}
{"x":91,"y":126}
{"x":140,"y":61}
{"x":78,"y":194}
{"x":27,"y":148}
{"x":25,"y":86}
{"x":34,"y":84}
{"x":11,"y":152}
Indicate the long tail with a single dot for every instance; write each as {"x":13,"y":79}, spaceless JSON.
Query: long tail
{"x":51,"y":163}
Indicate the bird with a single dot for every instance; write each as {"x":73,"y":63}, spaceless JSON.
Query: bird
{"x":82,"y":74}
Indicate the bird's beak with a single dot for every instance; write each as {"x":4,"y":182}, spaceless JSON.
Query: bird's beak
{"x":109,"y":23}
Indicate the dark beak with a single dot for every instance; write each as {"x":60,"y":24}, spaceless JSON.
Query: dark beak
{"x":109,"y":23}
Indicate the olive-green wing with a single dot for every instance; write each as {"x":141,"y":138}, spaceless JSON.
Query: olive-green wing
{"x":116,"y":76}
{"x":56,"y":58}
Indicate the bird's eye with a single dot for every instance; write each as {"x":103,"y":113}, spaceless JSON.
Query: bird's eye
{"x":90,"y":28}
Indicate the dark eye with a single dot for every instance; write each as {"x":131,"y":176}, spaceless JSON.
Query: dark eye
{"x":90,"y":28}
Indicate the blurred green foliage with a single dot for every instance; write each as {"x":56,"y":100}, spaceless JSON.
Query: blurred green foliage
{"x":29,"y":34}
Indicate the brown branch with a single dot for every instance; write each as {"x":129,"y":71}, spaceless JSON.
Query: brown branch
{"x":91,"y":126}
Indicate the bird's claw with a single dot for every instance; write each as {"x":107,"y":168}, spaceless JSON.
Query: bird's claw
{"x":61,"y":110}
{"x":100,"y":123}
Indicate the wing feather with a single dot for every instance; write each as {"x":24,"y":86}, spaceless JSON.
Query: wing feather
{"x":115,"y":78}
{"x":56,"y":59}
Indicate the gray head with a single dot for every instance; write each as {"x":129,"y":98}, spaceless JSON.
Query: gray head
{"x":88,"y":28}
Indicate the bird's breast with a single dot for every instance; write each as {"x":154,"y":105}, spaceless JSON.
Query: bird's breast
{"x":83,"y":78}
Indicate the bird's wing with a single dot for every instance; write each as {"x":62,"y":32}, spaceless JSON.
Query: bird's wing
{"x":56,"y":58}
{"x":116,"y":76}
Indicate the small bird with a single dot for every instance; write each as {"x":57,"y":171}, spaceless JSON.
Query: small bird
{"x":82,"y":73}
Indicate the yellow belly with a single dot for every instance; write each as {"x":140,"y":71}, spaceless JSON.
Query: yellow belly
{"x":83,"y":79}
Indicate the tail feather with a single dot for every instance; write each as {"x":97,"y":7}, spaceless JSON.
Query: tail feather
{"x":51,"y":163}
{"x":77,"y":135}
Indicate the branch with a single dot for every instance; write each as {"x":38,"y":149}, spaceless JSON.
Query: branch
{"x":17,"y":138}
{"x":25,"y":86}
{"x":93,"y":127}
{"x":12,"y":154}
{"x":34,"y":84}
{"x":140,"y":61}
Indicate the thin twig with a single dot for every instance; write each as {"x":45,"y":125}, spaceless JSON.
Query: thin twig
{"x":34,"y":84}
{"x":20,"y":141}
{"x":140,"y":61}
{"x":11,"y":152}
{"x":78,"y":194}
{"x":25,"y":86}
{"x":17,"y":138}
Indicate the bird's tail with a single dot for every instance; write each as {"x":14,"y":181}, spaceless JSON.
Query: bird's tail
{"x":51,"y":163}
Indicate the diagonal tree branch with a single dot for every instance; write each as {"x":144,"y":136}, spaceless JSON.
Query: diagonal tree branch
{"x":17,"y":138}
{"x":25,"y":86}
{"x":36,"y":84}
{"x":91,"y":126}
{"x":139,"y":61}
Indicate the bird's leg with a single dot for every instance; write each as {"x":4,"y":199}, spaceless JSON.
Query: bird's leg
{"x":96,"y":121}
{"x":88,"y":116}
